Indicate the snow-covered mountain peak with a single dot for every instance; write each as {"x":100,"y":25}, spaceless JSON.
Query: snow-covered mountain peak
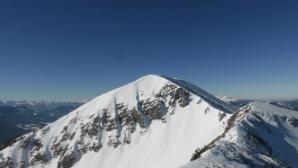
{"x":159,"y":122}
{"x":156,"y":114}
{"x":150,"y":86}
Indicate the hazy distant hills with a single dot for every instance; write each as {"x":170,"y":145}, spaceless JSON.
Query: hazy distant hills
{"x":18,"y":117}
{"x":287,"y":104}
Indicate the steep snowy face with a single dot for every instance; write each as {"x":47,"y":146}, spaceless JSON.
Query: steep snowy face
{"x":263,"y":136}
{"x":152,"y":122}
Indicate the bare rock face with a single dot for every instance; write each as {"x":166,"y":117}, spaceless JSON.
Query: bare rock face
{"x":167,"y":90}
{"x":138,"y":117}
{"x":37,"y":144}
{"x":22,"y":164}
{"x":95,"y":147}
{"x":25,"y":143}
{"x":6,"y":163}
{"x":154,"y":109}
{"x":182,"y":97}
{"x":91,"y":129}
{"x":65,"y":136}
{"x":221,"y":116}
{"x":82,"y":147}
{"x":59,"y":149}
{"x":207,"y":110}
{"x":177,"y":95}
{"x":293,"y":121}
{"x":109,"y":122}
{"x":67,"y":161}
{"x":39,"y":157}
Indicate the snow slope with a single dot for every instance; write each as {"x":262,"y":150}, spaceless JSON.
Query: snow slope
{"x":263,"y":136}
{"x":154,"y":121}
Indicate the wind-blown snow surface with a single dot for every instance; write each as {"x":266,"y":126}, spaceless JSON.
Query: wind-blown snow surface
{"x":263,"y":136}
{"x":152,"y":122}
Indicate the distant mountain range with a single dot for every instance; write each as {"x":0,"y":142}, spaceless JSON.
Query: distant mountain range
{"x":19,"y":117}
{"x":287,"y":104}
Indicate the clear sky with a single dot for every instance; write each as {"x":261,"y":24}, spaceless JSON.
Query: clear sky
{"x":75,"y":50}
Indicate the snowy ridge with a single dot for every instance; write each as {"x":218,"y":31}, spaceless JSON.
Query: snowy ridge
{"x":152,"y":122}
{"x":263,"y":136}
{"x":214,"y":101}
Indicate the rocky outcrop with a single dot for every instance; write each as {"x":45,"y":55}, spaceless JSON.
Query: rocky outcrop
{"x":176,"y":94}
{"x":67,"y":161}
{"x":39,"y":157}
{"x":293,"y":122}
{"x":6,"y":163}
{"x":154,"y":110}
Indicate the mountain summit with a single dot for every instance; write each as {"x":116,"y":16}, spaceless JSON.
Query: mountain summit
{"x":154,"y":121}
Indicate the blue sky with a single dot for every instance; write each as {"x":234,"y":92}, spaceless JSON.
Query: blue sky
{"x":74,"y":50}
